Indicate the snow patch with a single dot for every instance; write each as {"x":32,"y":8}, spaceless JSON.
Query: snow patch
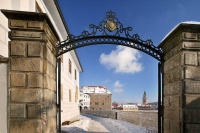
{"x":86,"y":124}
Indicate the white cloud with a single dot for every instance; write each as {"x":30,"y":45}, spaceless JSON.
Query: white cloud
{"x":122,"y":60}
{"x":118,"y":84}
{"x":118,"y":87}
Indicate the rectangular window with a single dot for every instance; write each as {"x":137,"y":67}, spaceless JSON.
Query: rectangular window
{"x":75,"y":74}
{"x":96,"y":103}
{"x":76,"y":94}
{"x":70,"y":66}
{"x":70,"y":97}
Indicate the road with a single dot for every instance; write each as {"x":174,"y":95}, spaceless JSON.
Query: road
{"x":110,"y":127}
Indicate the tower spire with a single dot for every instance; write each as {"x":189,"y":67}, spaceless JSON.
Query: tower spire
{"x":144,"y":99}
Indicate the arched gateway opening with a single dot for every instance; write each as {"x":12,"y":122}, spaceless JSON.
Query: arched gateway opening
{"x":30,"y":70}
{"x":111,"y":31}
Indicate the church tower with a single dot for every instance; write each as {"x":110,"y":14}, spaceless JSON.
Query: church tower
{"x":144,"y":99}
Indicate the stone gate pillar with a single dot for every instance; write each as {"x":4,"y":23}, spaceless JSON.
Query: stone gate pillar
{"x":32,"y":75}
{"x":182,"y":79}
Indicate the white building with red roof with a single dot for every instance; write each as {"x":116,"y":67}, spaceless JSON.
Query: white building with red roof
{"x":95,"y":89}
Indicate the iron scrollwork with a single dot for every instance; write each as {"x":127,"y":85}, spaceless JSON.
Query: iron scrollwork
{"x":109,"y":31}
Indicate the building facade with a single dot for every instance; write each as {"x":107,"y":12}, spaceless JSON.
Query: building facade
{"x":84,"y":100}
{"x":71,"y":66}
{"x":144,"y":107}
{"x":100,"y":97}
{"x":144,"y":98}
{"x":129,"y":107}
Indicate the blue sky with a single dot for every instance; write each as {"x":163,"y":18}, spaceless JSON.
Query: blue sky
{"x":128,"y":76}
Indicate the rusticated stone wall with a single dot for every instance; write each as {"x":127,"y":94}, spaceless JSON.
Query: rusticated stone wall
{"x":32,"y":75}
{"x":147,"y":119}
{"x":182,"y":80}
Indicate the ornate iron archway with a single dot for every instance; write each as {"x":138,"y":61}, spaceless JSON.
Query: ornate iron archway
{"x":111,"y":31}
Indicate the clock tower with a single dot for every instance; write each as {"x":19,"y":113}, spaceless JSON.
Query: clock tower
{"x":144,"y":99}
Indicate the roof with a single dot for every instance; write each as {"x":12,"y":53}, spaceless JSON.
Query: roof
{"x":94,"y":89}
{"x":62,"y":26}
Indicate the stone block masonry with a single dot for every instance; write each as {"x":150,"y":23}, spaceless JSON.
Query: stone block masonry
{"x":182,"y":80}
{"x":32,"y":73}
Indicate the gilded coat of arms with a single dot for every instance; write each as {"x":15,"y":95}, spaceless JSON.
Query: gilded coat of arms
{"x":110,"y":25}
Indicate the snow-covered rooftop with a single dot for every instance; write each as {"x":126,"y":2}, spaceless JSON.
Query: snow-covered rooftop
{"x":95,"y":89}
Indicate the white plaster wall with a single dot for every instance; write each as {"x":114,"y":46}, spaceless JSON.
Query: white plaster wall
{"x":5,"y":4}
{"x":85,"y":100}
{"x":3,"y":97}
{"x":70,"y":110}
{"x":21,"y":5}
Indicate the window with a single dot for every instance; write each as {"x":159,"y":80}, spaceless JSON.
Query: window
{"x":70,"y":98}
{"x":76,"y":94}
{"x":70,"y":66}
{"x":96,"y":103}
{"x":102,"y":103}
{"x":75,"y":74}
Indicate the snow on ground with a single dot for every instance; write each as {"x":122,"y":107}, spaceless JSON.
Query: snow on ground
{"x":126,"y":127}
{"x":86,"y":124}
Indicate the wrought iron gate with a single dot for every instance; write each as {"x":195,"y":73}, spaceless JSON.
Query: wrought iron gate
{"x":111,"y":31}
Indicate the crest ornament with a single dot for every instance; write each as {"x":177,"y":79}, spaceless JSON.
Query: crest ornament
{"x":111,"y":25}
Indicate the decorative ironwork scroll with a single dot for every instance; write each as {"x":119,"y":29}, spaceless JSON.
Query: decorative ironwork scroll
{"x":109,"y":31}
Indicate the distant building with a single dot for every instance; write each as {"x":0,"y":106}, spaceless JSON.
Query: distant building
{"x":144,"y":107}
{"x":144,"y":99}
{"x":129,"y":107}
{"x":114,"y":105}
{"x":84,"y":100}
{"x":100,"y":97}
{"x":95,"y":89}
{"x":154,"y":105}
